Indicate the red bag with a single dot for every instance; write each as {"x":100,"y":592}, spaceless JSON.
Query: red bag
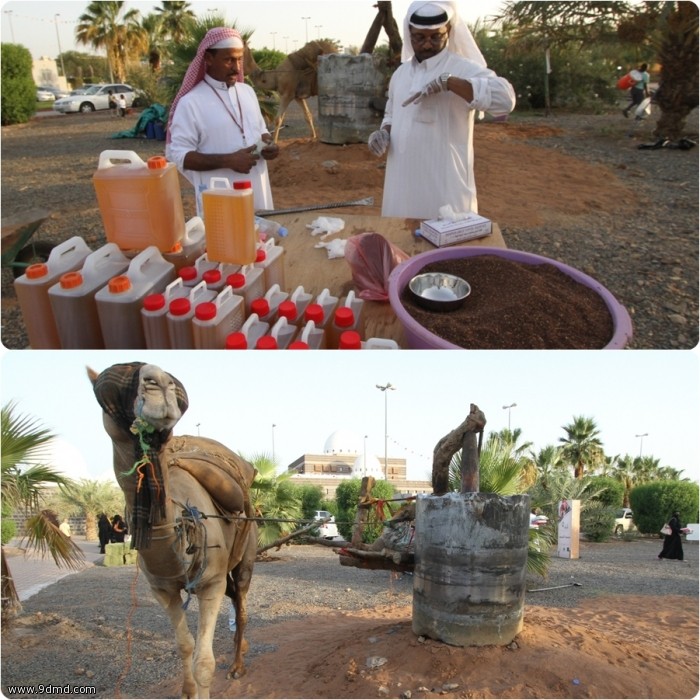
{"x":626,"y":82}
{"x":372,"y":258}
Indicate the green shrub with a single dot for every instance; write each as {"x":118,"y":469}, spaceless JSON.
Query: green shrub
{"x":654,"y":502}
{"x":347,"y":496}
{"x":609,"y":491}
{"x":8,"y":527}
{"x":598,"y":522}
{"x":18,"y":89}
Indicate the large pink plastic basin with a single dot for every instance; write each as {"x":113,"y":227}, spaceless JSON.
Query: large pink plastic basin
{"x":418,"y":337}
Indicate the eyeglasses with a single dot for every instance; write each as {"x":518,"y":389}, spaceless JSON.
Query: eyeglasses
{"x":433,"y":39}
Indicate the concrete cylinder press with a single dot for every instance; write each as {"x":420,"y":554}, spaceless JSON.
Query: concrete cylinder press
{"x":470,"y":566}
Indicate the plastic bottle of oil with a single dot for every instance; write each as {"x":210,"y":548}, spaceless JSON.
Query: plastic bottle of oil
{"x":32,"y":289}
{"x":119,"y":303}
{"x":180,"y":315}
{"x":73,"y":298}
{"x":192,"y":245}
{"x":312,"y":336}
{"x":266,"y":307}
{"x":215,"y":320}
{"x":229,"y":221}
{"x":270,"y":259}
{"x":348,"y":316}
{"x":293,"y":308}
{"x":140,"y":203}
{"x":248,"y":283}
{"x":154,"y":311}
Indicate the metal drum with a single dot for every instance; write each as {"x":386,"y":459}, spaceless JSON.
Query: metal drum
{"x":470,"y":566}
{"x":346,"y":86}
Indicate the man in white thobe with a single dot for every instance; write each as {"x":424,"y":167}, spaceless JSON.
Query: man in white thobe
{"x":429,"y":118}
{"x":216,"y":128}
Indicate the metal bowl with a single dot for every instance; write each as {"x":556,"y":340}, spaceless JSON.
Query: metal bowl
{"x":438,"y":291}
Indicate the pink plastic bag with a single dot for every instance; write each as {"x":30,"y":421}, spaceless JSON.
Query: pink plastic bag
{"x":372,"y":258}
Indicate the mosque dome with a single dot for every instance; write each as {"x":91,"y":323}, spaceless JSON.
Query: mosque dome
{"x":343,"y":442}
{"x":372,"y":467}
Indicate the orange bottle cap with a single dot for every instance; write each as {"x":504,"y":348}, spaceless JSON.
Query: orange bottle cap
{"x":153,"y":302}
{"x":180,"y":306}
{"x":261,"y":307}
{"x":344,"y":317}
{"x":236,"y":341}
{"x":119,"y":284}
{"x":36,"y":271}
{"x":350,"y":340}
{"x":266,"y":342}
{"x":70,"y":280}
{"x":205,"y":311}
{"x":157,"y":162}
{"x":177,"y":248}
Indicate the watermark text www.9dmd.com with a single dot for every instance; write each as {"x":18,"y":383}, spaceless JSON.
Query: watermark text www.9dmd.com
{"x":53,"y":690}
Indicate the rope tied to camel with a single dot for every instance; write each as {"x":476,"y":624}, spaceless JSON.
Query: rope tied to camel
{"x":190,"y":531}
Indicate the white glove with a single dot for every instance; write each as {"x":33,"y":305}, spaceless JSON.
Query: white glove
{"x":432,"y":88}
{"x":378,"y":142}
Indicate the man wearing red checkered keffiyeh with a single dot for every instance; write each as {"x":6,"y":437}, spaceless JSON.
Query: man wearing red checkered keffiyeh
{"x":216,"y":128}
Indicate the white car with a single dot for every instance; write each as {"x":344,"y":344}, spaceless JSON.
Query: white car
{"x":624,"y":521}
{"x":538,"y":521}
{"x":44,"y":95}
{"x":56,"y":92}
{"x":328,"y":530}
{"x":96,"y":97}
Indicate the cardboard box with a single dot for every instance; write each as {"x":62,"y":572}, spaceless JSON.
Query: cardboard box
{"x":442,"y":232}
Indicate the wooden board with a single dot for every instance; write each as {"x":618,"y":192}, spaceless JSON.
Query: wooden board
{"x":310,"y":267}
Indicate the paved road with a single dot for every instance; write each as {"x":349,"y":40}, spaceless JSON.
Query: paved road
{"x":31,"y":572}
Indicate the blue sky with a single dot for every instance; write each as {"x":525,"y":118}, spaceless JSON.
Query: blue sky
{"x":236,"y":397}
{"x":280,"y":23}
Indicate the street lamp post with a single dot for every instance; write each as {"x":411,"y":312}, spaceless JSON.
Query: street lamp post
{"x":60,"y":51}
{"x":509,"y":406}
{"x":385,"y":388}
{"x":641,"y":441}
{"x":318,"y":30}
{"x":273,"y":40}
{"x":198,"y":424}
{"x":286,"y":44}
{"x":306,"y":23}
{"x":9,"y":16}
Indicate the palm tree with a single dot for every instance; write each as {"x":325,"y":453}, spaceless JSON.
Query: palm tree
{"x":89,"y":498}
{"x":546,"y":461}
{"x":122,"y":37}
{"x":25,"y":477}
{"x":582,"y":447}
{"x":626,"y":474}
{"x":273,"y":496}
{"x":152,"y":26}
{"x":176,"y":19}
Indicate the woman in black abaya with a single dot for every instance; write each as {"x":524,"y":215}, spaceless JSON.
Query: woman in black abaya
{"x":673,"y":547}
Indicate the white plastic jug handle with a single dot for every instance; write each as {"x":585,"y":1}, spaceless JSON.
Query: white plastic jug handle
{"x":214,"y":183}
{"x":197,"y":291}
{"x":196,"y":223}
{"x":106,"y":158}
{"x":246,"y":269}
{"x":309,"y":328}
{"x":144,"y":257}
{"x":201,"y":260}
{"x":274,"y":289}
{"x":350,"y":299}
{"x":109,"y":250}
{"x":325,"y":294}
{"x":278,"y":327}
{"x":177,"y":282}
{"x":250,"y":322}
{"x":223,"y":296}
{"x":299,"y":291}
{"x":73,"y":246}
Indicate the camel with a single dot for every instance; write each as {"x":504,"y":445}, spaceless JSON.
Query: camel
{"x":186,"y":539}
{"x":296,"y":78}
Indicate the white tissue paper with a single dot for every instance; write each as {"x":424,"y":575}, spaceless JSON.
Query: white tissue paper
{"x":325,"y":225}
{"x":335,"y":248}
{"x":449,"y":214}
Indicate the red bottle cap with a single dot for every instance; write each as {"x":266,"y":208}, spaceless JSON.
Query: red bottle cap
{"x":298,"y":345}
{"x":153,"y":302}
{"x":180,"y":306}
{"x":344,"y":317}
{"x":260,"y":255}
{"x":187,"y":273}
{"x":266,"y":342}
{"x":205,"y":311}
{"x":236,"y":341}
{"x":261,"y":307}
{"x":314,"y":312}
{"x":287,"y":309}
{"x":212,"y":276}
{"x":236,"y":280}
{"x":350,"y":340}
{"x":242,"y":185}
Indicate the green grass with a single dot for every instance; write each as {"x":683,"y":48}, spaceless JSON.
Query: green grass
{"x":44,"y":106}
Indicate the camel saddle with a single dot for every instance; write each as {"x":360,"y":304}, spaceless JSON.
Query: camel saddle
{"x":226,"y":476}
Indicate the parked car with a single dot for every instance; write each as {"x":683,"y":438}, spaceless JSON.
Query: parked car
{"x":538,"y":521}
{"x":624,"y":521}
{"x":96,"y":97}
{"x":56,"y":92}
{"x":328,"y":530}
{"x":44,"y":95}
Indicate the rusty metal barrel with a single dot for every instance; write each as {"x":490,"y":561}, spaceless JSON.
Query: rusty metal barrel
{"x":346,"y":86}
{"x":470,"y":566}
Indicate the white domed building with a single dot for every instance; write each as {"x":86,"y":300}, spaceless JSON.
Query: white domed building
{"x":344,"y":457}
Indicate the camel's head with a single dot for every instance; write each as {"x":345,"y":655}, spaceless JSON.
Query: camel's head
{"x":132,"y":391}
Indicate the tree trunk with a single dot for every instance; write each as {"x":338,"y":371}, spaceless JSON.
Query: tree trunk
{"x":385,"y":19}
{"x":677,"y":95}
{"x":91,"y":527}
{"x":10,"y":600}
